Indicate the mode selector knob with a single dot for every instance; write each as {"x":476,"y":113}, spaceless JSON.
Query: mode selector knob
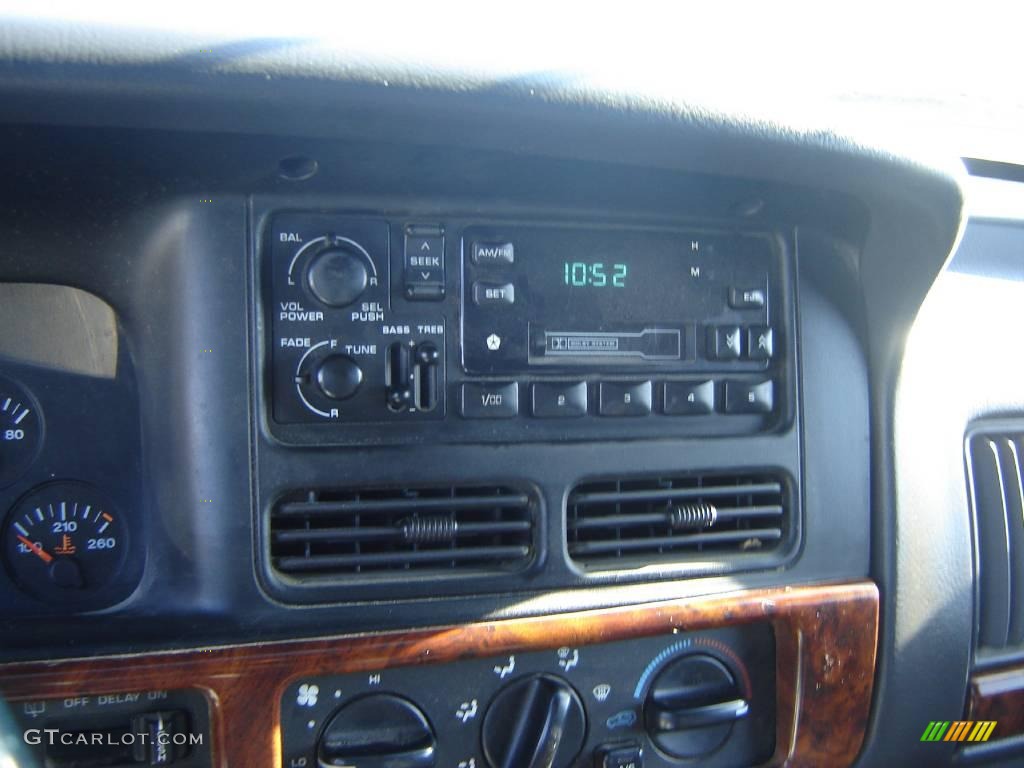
{"x":537,"y":722}
{"x":337,"y":276}
{"x":338,"y":377}
{"x":692,"y":706}
{"x":378,"y":731}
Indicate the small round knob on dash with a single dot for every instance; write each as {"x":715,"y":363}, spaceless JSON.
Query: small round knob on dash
{"x":339,"y":377}
{"x":692,"y":705}
{"x":536,"y":722}
{"x":337,"y":276}
{"x":378,"y":731}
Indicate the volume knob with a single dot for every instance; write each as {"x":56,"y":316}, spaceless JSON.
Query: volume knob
{"x":337,"y":276}
{"x":537,"y":722}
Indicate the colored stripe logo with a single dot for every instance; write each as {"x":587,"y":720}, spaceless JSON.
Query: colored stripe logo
{"x":959,"y":730}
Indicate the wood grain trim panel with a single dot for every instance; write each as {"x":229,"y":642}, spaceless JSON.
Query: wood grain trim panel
{"x":826,"y":638}
{"x":999,"y":696}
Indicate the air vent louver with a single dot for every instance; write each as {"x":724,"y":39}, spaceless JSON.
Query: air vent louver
{"x":994,"y":465}
{"x":375,"y":531}
{"x":631,"y":523}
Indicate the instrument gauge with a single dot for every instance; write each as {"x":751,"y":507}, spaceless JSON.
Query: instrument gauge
{"x":21,"y":427}
{"x":64,"y":541}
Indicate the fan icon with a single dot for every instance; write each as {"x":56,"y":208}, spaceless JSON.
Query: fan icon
{"x":307,"y":695}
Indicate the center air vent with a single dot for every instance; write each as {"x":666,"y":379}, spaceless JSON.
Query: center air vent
{"x":437,"y":530}
{"x":708,"y":518}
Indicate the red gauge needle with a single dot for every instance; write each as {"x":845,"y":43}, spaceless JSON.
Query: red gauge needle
{"x":45,"y":556}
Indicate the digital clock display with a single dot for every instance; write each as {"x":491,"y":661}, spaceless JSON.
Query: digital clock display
{"x":601,"y":295}
{"x":594,"y":274}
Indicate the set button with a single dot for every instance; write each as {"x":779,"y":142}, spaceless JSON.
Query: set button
{"x":488,"y":294}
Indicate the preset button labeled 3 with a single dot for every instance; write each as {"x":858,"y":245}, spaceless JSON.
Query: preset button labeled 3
{"x":625,"y":398}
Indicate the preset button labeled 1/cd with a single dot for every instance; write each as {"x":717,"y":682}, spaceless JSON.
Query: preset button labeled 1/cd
{"x":490,"y":401}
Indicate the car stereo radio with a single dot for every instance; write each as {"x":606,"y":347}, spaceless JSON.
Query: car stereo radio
{"x":450,"y":328}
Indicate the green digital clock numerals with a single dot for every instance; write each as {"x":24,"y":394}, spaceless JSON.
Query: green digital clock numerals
{"x":579,"y":274}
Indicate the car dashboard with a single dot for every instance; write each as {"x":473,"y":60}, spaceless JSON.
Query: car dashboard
{"x":353,"y":418}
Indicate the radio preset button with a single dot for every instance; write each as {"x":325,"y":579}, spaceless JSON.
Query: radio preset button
{"x":625,"y":398}
{"x":490,"y":401}
{"x":725,"y":342}
{"x":749,"y":397}
{"x":560,"y":400}
{"x":687,"y":398}
{"x":746,"y":298}
{"x":496,"y":253}
{"x":487,"y":294}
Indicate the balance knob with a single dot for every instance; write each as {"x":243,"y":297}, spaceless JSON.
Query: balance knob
{"x":692,"y":705}
{"x":378,"y":731}
{"x":339,"y":377}
{"x":537,"y":722}
{"x":337,"y":276}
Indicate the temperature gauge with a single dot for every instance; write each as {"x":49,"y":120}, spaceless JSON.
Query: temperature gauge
{"x":64,"y":541}
{"x":21,"y":429}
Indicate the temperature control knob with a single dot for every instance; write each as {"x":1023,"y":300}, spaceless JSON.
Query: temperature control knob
{"x":692,"y":706}
{"x":537,"y":722}
{"x":378,"y":731}
{"x":337,"y":276}
{"x":338,"y":377}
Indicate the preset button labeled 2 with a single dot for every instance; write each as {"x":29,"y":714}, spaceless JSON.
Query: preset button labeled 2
{"x":490,"y":401}
{"x":560,"y":400}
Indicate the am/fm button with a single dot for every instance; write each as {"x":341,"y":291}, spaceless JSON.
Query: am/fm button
{"x":498,"y":254}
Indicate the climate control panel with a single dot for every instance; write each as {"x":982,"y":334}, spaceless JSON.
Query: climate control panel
{"x":703,"y":696}
{"x":467,"y":330}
